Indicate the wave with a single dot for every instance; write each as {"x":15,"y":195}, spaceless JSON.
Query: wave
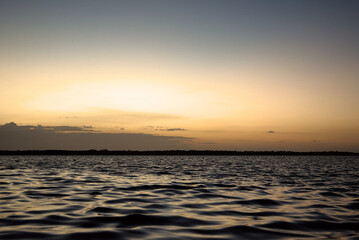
{"x":255,"y":199}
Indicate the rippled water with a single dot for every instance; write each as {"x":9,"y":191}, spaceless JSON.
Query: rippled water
{"x":179,"y":197}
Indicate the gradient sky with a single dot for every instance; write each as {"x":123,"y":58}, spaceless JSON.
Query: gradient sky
{"x":193,"y":74}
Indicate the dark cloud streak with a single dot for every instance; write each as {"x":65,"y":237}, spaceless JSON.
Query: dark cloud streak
{"x":160,"y":128}
{"x":171,"y":129}
{"x":14,"y":127}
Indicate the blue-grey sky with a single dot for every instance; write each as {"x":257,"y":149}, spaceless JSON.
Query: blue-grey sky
{"x":226,"y":71}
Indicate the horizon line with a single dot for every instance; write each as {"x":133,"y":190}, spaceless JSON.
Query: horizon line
{"x":170,"y":152}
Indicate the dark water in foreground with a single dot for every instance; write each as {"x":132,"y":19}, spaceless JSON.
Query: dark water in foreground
{"x":179,"y":197}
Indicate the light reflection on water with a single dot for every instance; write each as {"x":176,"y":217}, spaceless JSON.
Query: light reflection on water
{"x":193,"y":197}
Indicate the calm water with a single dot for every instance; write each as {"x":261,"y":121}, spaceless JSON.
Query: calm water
{"x":179,"y":197}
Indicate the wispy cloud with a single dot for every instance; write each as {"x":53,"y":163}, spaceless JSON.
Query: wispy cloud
{"x":171,"y":129}
{"x":160,"y":128}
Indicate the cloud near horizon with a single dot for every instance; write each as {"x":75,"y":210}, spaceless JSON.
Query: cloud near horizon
{"x":29,"y":137}
{"x":171,"y":129}
{"x":160,"y":128}
{"x":14,"y":127}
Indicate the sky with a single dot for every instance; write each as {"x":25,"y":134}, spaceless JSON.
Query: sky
{"x":189,"y":74}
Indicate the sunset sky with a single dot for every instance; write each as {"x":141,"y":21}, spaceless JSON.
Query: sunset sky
{"x":187,"y":74}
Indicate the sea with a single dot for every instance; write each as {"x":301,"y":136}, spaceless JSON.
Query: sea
{"x":179,"y":197}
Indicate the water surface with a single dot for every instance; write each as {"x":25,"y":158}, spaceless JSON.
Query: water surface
{"x":179,"y":197}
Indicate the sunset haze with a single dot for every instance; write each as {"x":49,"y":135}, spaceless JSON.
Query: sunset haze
{"x":157,"y":75}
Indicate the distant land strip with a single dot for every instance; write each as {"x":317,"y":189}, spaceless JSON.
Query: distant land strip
{"x":171,"y":152}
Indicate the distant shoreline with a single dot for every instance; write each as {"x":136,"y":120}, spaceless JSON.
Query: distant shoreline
{"x":175,"y":153}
